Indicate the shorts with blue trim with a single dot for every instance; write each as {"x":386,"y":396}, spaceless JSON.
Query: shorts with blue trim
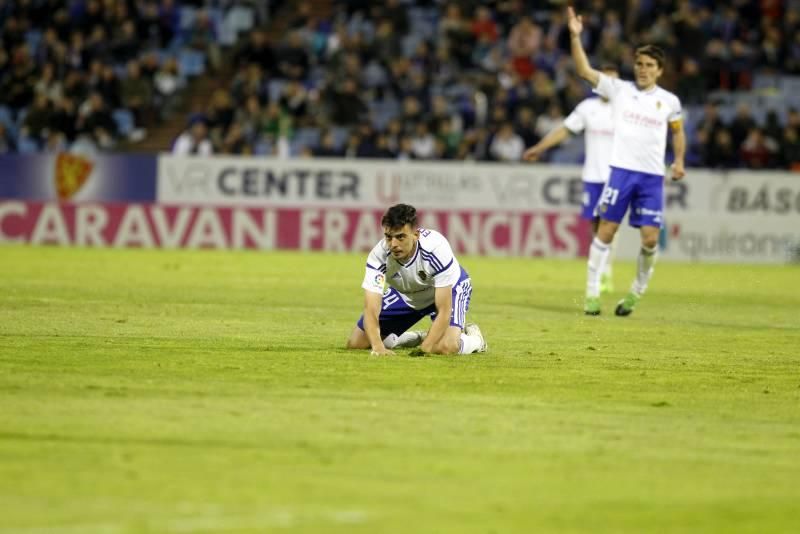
{"x":642,"y":192}
{"x":396,"y":316}
{"x":591,"y":196}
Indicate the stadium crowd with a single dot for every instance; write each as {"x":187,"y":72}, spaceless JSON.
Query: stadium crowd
{"x":90,"y":73}
{"x":403,"y":79}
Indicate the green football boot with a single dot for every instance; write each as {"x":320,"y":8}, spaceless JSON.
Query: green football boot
{"x":606,"y":284}
{"x":591,"y":306}
{"x":625,"y":306}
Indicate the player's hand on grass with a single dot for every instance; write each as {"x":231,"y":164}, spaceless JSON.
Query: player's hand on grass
{"x":677,"y":171}
{"x":383,"y":351}
{"x":574,"y":22}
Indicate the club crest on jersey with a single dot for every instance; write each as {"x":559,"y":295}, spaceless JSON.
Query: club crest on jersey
{"x":658,"y":104}
{"x":422,"y":275}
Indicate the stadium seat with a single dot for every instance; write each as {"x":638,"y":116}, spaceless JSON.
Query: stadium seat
{"x":191,"y":63}
{"x":5,"y":117}
{"x":275,"y":88}
{"x":32,"y":39}
{"x":125,"y":121}
{"x":307,"y":136}
{"x":340,"y":134}
{"x":239,"y":19}
{"x":262,"y":147}
{"x":26,"y":145}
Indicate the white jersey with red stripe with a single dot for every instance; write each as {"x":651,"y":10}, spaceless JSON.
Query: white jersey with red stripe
{"x":640,"y":124}
{"x":431,"y":265}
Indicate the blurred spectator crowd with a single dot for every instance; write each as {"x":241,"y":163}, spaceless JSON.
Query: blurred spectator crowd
{"x":483,"y":80}
{"x":407,"y":79}
{"x":91,"y":73}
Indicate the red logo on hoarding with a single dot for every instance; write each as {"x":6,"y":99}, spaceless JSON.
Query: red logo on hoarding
{"x":71,"y":173}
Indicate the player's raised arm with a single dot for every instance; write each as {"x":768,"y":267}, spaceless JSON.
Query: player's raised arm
{"x":679,"y":148}
{"x":582,"y":66}
{"x":553,"y":138}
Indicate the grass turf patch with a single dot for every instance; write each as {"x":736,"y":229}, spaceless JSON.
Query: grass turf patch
{"x":154,"y":391}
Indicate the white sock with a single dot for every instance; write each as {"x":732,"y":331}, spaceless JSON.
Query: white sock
{"x":598,"y":258}
{"x":645,"y":264}
{"x":409,"y":339}
{"x":390,"y":341}
{"x":611,"y":249}
{"x":469,"y":344}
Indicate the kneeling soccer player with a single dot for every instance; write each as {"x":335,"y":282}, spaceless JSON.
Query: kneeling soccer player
{"x":422,"y":278}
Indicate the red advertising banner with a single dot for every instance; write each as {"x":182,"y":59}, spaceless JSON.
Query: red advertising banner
{"x":493,"y":233}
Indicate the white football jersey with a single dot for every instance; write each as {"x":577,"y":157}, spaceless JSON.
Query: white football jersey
{"x":640,"y":124}
{"x":595,"y":118}
{"x":431,"y":265}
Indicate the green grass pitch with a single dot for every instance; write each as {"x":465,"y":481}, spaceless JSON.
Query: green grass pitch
{"x":161,"y":392}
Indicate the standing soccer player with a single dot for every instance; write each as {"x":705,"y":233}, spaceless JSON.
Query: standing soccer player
{"x":423,"y":278}
{"x":594,"y":117}
{"x":642,"y":112}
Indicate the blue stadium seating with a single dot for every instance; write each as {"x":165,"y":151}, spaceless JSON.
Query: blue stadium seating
{"x":125,"y":121}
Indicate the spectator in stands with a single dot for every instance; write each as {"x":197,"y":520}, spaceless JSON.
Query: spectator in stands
{"x":37,"y":120}
{"x":327,"y":146}
{"x":523,"y":43}
{"x":203,"y":38}
{"x":507,"y":146}
{"x":292,"y":59}
{"x":19,"y":80}
{"x":95,"y":121}
{"x":386,"y":43}
{"x":742,"y":124}
{"x":235,"y":141}
{"x":692,"y":83}
{"x":294,"y":101}
{"x":48,"y":85}
{"x":64,"y":119}
{"x":549,"y":120}
{"x":790,"y":149}
{"x":483,"y":26}
{"x":423,"y":143}
{"x":719,"y":151}
{"x":194,"y":141}
{"x":455,"y":34}
{"x":525,"y":126}
{"x":167,"y":82}
{"x":169,"y":20}
{"x":220,"y":114}
{"x":346,"y":105}
{"x":757,"y":150}
{"x":250,"y":117}
{"x":256,"y":50}
{"x":125,"y":46}
{"x":137,"y":94}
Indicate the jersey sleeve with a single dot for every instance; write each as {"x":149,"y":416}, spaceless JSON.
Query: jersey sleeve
{"x":677,"y":113}
{"x":607,"y":86}
{"x":446,"y":269}
{"x":575,"y":121}
{"x":375,"y":275}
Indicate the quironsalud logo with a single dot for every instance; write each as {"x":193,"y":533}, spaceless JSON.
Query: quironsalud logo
{"x":71,"y":173}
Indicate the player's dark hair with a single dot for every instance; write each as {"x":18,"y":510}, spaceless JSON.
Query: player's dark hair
{"x":400,"y":215}
{"x":654,"y":52}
